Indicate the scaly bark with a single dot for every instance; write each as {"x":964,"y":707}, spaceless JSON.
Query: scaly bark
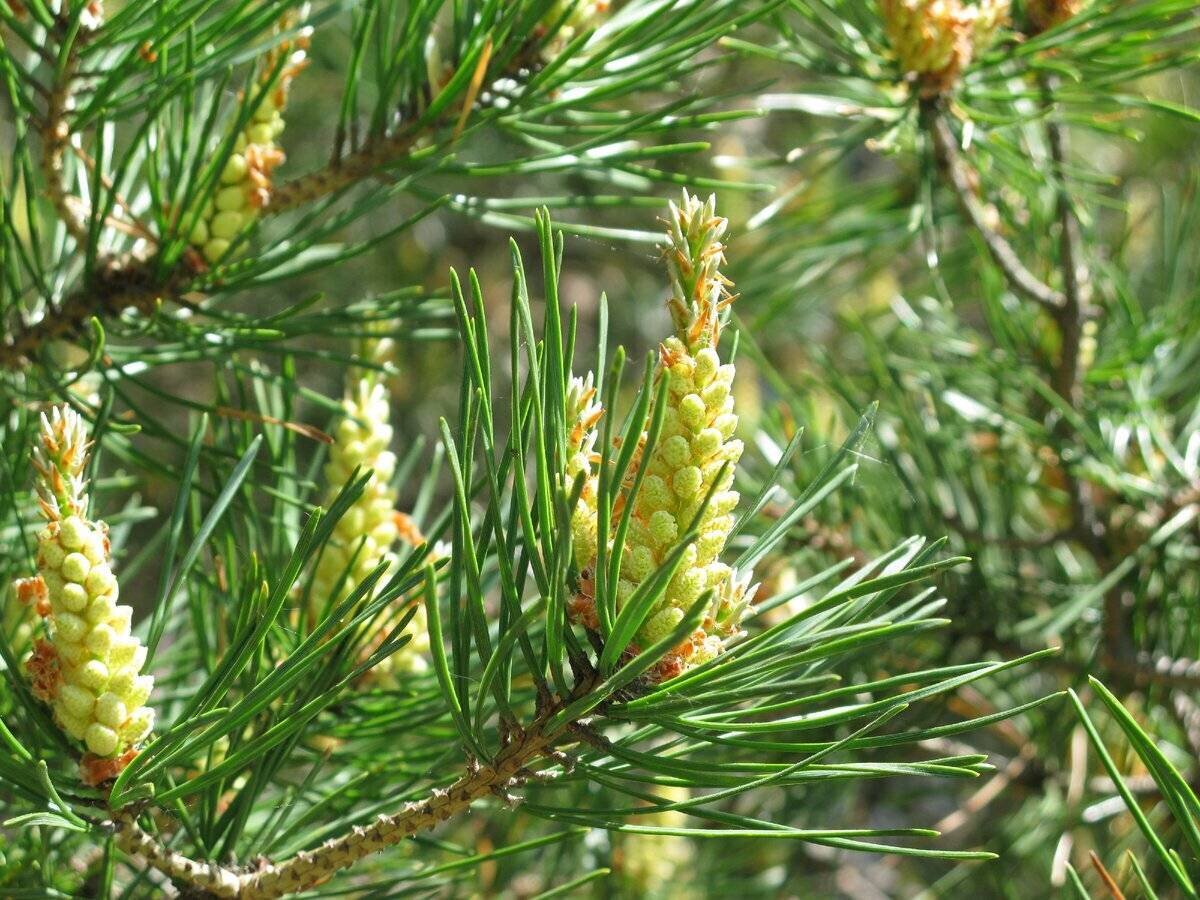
{"x":312,"y":867}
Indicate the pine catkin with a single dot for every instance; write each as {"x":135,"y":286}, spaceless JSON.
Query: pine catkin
{"x":935,"y":40}
{"x":368,"y":531}
{"x":244,"y":188}
{"x":89,"y":670}
{"x":693,"y":459}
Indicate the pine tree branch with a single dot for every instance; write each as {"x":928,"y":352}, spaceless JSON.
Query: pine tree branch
{"x":1022,"y":280}
{"x":135,"y":275}
{"x":56,"y":138}
{"x":1068,"y":308}
{"x":342,"y":172}
{"x":122,"y":283}
{"x":215,"y":880}
{"x":1067,"y":375}
{"x":309,"y":868}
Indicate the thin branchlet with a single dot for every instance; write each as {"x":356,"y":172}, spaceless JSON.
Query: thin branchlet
{"x":507,"y":770}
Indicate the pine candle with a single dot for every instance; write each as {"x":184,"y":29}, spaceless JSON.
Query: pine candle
{"x":89,"y":670}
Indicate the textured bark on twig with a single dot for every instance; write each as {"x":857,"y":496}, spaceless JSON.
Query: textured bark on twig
{"x":56,"y":137}
{"x":213,"y":879}
{"x":340,"y":173}
{"x":312,"y":867}
{"x":123,"y":284}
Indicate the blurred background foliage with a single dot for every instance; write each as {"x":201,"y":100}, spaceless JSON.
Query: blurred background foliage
{"x":860,"y":283}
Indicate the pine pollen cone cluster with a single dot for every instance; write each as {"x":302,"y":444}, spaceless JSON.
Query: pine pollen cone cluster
{"x":365,"y":535}
{"x":89,"y":670}
{"x":693,"y":461}
{"x":245,"y":181}
{"x":935,"y":40}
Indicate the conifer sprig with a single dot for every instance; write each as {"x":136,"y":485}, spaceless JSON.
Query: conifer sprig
{"x":990,"y":298}
{"x":694,"y":257}
{"x":238,"y":733}
{"x":161,"y":222}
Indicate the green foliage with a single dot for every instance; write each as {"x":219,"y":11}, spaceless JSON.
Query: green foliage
{"x":1016,"y":304}
{"x":967,"y":308}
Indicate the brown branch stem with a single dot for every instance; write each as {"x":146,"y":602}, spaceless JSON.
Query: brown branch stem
{"x":1072,"y":314}
{"x":213,"y":879}
{"x":341,"y":172}
{"x":122,"y":283}
{"x":309,"y":868}
{"x":1067,"y":375}
{"x":56,"y":137}
{"x":1022,"y":280}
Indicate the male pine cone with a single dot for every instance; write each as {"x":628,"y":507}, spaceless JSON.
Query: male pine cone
{"x":90,"y":669}
{"x":244,"y":187}
{"x":368,"y":530}
{"x":935,"y":40}
{"x":689,"y":471}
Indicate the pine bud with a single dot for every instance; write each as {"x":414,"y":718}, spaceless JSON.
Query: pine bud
{"x":935,"y":40}
{"x":90,"y":669}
